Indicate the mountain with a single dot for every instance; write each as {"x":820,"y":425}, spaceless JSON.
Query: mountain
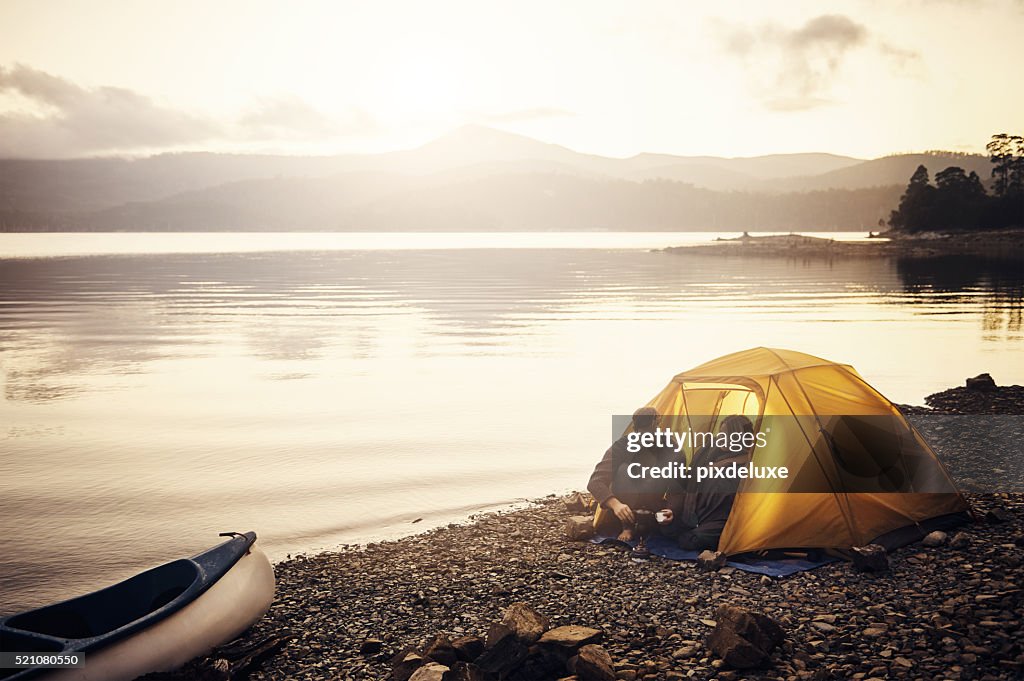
{"x":475,"y":144}
{"x":82,"y":184}
{"x":887,"y":171}
{"x":472,"y":178}
{"x":743,"y":173}
{"x":498,"y":202}
{"x":699,"y":174}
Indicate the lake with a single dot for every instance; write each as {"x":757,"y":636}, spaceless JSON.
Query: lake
{"x":324,"y":389}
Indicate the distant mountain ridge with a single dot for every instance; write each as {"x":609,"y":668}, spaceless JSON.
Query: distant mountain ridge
{"x":474,"y":178}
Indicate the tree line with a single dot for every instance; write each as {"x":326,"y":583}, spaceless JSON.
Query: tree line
{"x":501,"y":202}
{"x":959,"y":201}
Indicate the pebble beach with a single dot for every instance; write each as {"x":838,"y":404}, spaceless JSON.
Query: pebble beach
{"x":952,"y":611}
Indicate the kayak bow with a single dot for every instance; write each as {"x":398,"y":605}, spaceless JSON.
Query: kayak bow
{"x":155,"y":621}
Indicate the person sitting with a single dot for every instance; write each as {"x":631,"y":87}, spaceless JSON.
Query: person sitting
{"x":695,"y":513}
{"x":620,"y":496}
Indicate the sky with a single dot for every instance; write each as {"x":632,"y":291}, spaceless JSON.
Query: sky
{"x":863,"y":78}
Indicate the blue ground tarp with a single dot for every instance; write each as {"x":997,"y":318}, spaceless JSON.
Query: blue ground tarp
{"x":667,"y":548}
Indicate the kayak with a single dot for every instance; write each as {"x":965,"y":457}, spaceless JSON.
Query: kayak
{"x":157,"y":620}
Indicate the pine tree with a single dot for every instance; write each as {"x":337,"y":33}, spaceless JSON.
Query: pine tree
{"x":914,"y":213}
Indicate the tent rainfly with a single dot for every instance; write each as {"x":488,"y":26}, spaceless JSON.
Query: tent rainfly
{"x":860,"y":473}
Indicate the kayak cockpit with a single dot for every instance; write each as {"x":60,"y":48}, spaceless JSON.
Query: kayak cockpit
{"x":26,"y":643}
{"x":102,"y":612}
{"x":152,"y":606}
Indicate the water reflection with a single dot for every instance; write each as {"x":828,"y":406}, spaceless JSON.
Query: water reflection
{"x":65,"y":317}
{"x":330,"y":396}
{"x":968,"y":280}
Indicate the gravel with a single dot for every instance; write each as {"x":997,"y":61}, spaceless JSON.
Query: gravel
{"x":937,"y":613}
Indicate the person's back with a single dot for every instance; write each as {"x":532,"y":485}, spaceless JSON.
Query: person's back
{"x":698,"y":510}
{"x":615,"y":487}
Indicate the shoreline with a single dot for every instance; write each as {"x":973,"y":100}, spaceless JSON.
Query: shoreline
{"x":998,"y":244}
{"x":914,"y":622}
{"x":939,"y":613}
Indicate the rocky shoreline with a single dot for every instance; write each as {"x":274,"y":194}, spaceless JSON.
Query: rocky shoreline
{"x":951,"y":611}
{"x":1002,"y":244}
{"x":976,"y":430}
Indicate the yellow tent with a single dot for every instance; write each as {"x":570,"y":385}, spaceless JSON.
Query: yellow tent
{"x":858,"y":471}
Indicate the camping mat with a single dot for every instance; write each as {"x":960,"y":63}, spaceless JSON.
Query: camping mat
{"x":667,"y":548}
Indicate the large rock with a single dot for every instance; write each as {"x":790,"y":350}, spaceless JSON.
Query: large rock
{"x":982,"y":383}
{"x":466,"y":671}
{"x":996,"y":516}
{"x":496,"y":633}
{"x":960,"y":540}
{"x":540,"y":663}
{"x":710,"y":561}
{"x":371,"y":646}
{"x":742,"y":638}
{"x":504,"y":651}
{"x":592,"y":663}
{"x":441,"y":651}
{"x":468,"y":648}
{"x":562,"y":643}
{"x":934,"y":539}
{"x":870,"y":558}
{"x":431,"y":671}
{"x":579,"y":528}
{"x":578,"y":503}
{"x":405,"y":664}
{"x":570,"y":636}
{"x":525,"y":622}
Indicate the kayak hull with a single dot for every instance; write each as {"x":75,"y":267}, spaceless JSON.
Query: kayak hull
{"x":233,"y":587}
{"x":224,"y":611}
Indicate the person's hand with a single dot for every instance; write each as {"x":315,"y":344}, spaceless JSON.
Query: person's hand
{"x":622,"y":512}
{"x":664,"y":516}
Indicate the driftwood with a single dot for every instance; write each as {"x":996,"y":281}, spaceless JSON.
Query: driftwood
{"x":235,"y":660}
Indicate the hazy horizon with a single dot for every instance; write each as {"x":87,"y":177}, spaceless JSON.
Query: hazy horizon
{"x":453,"y":132}
{"x":854,"y":78}
{"x":436,"y":138}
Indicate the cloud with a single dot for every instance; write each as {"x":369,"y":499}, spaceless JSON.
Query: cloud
{"x":833,"y":31}
{"x":794,"y":69}
{"x":907,"y":61}
{"x":68,"y":120}
{"x":521,"y":115}
{"x":76,"y":120}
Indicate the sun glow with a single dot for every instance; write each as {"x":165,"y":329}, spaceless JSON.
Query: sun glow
{"x":420,"y":91}
{"x":597,"y":77}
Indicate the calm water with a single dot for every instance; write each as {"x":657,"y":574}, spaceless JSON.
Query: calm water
{"x":324,"y":389}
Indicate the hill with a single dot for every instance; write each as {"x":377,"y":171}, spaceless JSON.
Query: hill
{"x":888,"y":170}
{"x":473,"y":178}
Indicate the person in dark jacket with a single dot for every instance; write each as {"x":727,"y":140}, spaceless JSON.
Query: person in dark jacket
{"x":695,"y":513}
{"x":616,"y":492}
